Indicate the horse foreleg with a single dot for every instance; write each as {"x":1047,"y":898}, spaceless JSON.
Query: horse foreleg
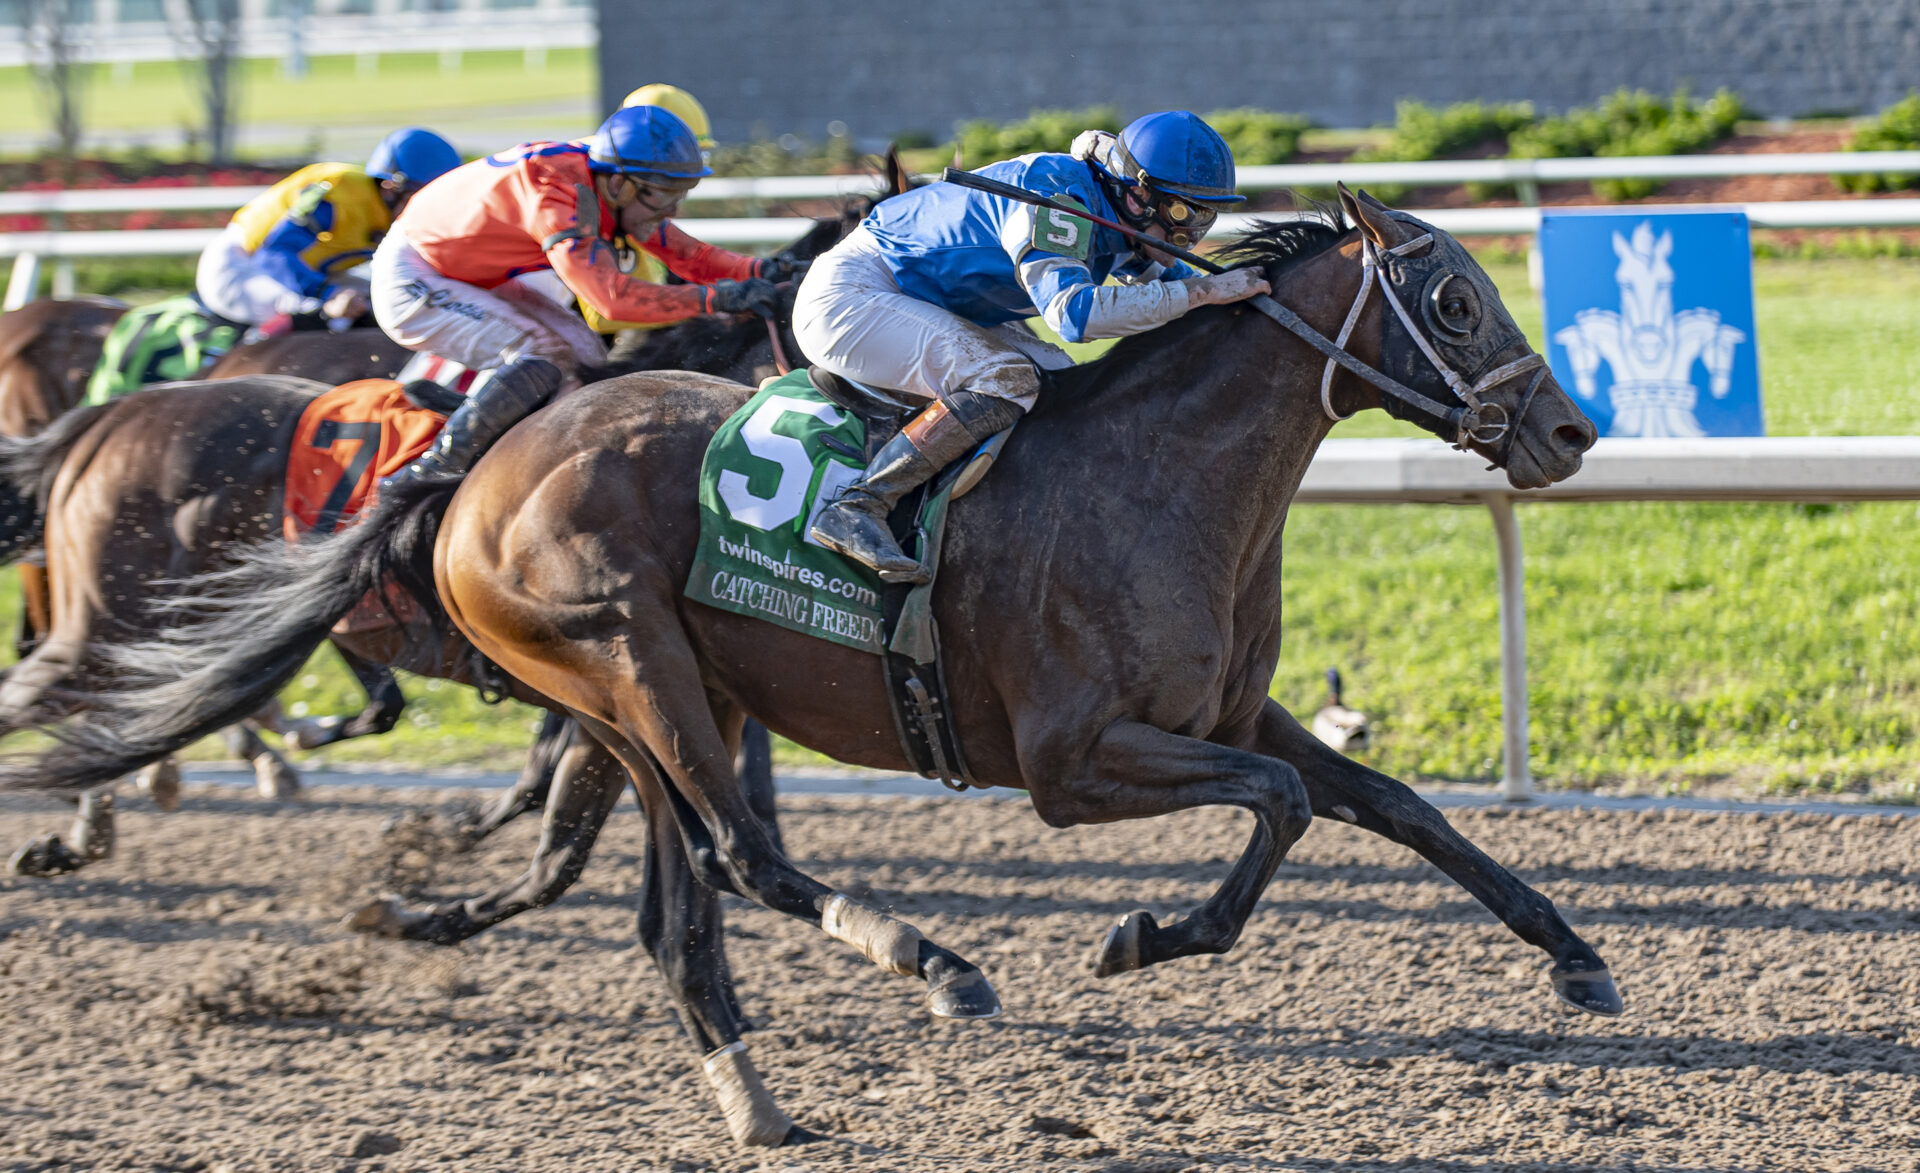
{"x":681,"y":927}
{"x":272,"y":777}
{"x":1342,"y":788}
{"x":92,"y":834}
{"x":1137,"y":771}
{"x":585,"y":788}
{"x":558,"y":732}
{"x":385,"y":703}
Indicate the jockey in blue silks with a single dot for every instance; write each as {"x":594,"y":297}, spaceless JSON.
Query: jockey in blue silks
{"x":930,"y":294}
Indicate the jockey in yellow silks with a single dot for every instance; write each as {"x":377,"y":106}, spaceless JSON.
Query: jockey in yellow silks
{"x":288,"y":250}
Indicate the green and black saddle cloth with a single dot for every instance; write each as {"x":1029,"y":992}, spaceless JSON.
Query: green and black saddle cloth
{"x":768,"y":470}
{"x":174,"y":339}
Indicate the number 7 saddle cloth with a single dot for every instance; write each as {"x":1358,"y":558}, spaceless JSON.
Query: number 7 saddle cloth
{"x":348,"y":438}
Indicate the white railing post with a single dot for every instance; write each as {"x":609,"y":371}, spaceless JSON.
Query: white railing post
{"x":23,"y":283}
{"x":1516,"y":782}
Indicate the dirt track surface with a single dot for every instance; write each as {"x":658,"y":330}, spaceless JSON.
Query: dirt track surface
{"x":193,"y":1005}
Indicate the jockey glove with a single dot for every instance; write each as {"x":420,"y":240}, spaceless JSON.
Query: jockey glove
{"x":756,"y":295}
{"x":778,"y":269}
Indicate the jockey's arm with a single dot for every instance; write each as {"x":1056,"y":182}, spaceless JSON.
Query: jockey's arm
{"x":581,"y":256}
{"x":696,"y":260}
{"x":299,"y":230}
{"x":1079,"y":309}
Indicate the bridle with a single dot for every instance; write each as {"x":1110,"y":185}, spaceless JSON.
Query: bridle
{"x":1480,"y":421}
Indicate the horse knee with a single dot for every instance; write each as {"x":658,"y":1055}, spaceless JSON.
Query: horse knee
{"x":1289,"y":805}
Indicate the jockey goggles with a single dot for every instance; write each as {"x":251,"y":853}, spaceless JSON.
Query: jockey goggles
{"x":1185,"y":221}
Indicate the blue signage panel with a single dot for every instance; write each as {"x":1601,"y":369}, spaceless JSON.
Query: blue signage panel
{"x":1650,"y":320}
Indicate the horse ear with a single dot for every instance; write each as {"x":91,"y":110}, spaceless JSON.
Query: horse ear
{"x":1375,"y":219}
{"x":1620,"y":248}
{"x":1663,"y":248}
{"x":899,"y":179}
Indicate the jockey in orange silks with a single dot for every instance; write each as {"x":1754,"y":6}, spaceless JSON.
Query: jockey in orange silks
{"x":469,"y":271}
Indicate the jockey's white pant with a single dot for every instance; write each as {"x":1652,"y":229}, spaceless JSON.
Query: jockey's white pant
{"x":232,"y":284}
{"x":851,"y":318}
{"x":424,"y":310}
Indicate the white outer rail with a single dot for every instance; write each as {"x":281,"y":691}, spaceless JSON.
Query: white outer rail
{"x":1436,"y":173}
{"x":1770,"y":468}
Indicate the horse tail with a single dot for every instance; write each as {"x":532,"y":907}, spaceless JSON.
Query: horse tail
{"x":235,"y":638}
{"x":28,"y":466}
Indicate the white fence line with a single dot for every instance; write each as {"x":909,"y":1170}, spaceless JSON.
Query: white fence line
{"x":1769,"y":468}
{"x":1438,"y":173}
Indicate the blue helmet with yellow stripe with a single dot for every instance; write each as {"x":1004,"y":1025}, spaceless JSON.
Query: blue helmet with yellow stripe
{"x":647,"y":140}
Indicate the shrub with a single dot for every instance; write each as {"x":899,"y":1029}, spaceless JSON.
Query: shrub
{"x":1259,"y":136}
{"x":984,"y":142}
{"x":1897,"y":129}
{"x":1423,"y":132}
{"x":1630,"y":122}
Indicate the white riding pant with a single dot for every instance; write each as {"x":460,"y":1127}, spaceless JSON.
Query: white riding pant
{"x":231,"y":283}
{"x":851,"y":318}
{"x":424,"y":310}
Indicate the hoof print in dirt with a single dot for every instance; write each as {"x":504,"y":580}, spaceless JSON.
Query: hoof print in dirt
{"x":374,"y":1144}
{"x":45,"y":856}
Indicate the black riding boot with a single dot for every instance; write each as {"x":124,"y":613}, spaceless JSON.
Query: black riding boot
{"x":514,"y":392}
{"x":855,"y":523}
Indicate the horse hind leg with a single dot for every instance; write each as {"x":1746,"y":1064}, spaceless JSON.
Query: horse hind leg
{"x":385,"y":703}
{"x":92,"y":834}
{"x":1342,"y":788}
{"x":660,"y":710}
{"x":681,"y":926}
{"x":558,"y":732}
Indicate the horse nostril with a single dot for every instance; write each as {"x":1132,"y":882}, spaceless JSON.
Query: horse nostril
{"x":1573,"y":437}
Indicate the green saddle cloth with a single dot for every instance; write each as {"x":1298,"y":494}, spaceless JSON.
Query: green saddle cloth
{"x":767,"y":472}
{"x":172,"y":339}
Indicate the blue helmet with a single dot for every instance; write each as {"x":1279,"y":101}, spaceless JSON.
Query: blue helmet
{"x":412,"y":157}
{"x":647,"y":140}
{"x":1177,"y":153}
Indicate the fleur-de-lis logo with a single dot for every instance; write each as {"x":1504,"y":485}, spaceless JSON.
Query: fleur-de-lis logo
{"x":1650,"y":348}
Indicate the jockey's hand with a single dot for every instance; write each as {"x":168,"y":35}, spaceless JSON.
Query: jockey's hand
{"x":756,"y":295}
{"x":778,"y":268}
{"x":1225,"y":288}
{"x":351,"y":304}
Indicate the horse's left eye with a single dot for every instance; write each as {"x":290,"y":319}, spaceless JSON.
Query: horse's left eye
{"x":1453,"y":307}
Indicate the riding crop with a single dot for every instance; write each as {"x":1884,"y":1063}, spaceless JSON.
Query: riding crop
{"x":1456,"y":417}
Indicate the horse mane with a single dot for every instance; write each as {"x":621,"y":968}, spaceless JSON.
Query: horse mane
{"x":1275,"y":245}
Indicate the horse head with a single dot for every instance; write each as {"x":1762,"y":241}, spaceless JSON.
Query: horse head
{"x":1645,"y":277}
{"x":1526,"y":424}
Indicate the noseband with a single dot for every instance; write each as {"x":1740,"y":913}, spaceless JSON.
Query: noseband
{"x":1478,"y":420}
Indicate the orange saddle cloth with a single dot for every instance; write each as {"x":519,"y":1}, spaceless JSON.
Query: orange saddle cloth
{"x":347,"y":440}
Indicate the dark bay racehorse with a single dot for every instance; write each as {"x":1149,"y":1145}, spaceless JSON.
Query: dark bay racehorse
{"x":1110,"y":597}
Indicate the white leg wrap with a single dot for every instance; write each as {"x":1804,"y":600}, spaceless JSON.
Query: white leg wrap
{"x":752,"y":1116}
{"x":888,"y":943}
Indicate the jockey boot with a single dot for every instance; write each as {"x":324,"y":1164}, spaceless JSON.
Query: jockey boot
{"x":855,"y":523}
{"x":514,"y":392}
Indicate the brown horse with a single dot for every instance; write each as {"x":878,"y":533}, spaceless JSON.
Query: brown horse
{"x":1110,"y":597}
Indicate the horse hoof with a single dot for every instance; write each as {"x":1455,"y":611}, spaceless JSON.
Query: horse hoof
{"x":1591,"y":990}
{"x":967,"y":994}
{"x":160,"y":782}
{"x":312,"y":734}
{"x":45,"y":856}
{"x":797,"y":1135}
{"x":274,"y":779}
{"x":385,"y":917}
{"x":1125,"y":948}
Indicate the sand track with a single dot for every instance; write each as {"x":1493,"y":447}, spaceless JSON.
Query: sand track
{"x":192,"y":1004}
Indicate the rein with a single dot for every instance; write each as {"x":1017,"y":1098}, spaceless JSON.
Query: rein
{"x":780,"y":362}
{"x":1469,"y":421}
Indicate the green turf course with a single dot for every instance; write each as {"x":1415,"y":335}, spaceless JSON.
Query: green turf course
{"x":401,"y":88}
{"x":1774,"y":645}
